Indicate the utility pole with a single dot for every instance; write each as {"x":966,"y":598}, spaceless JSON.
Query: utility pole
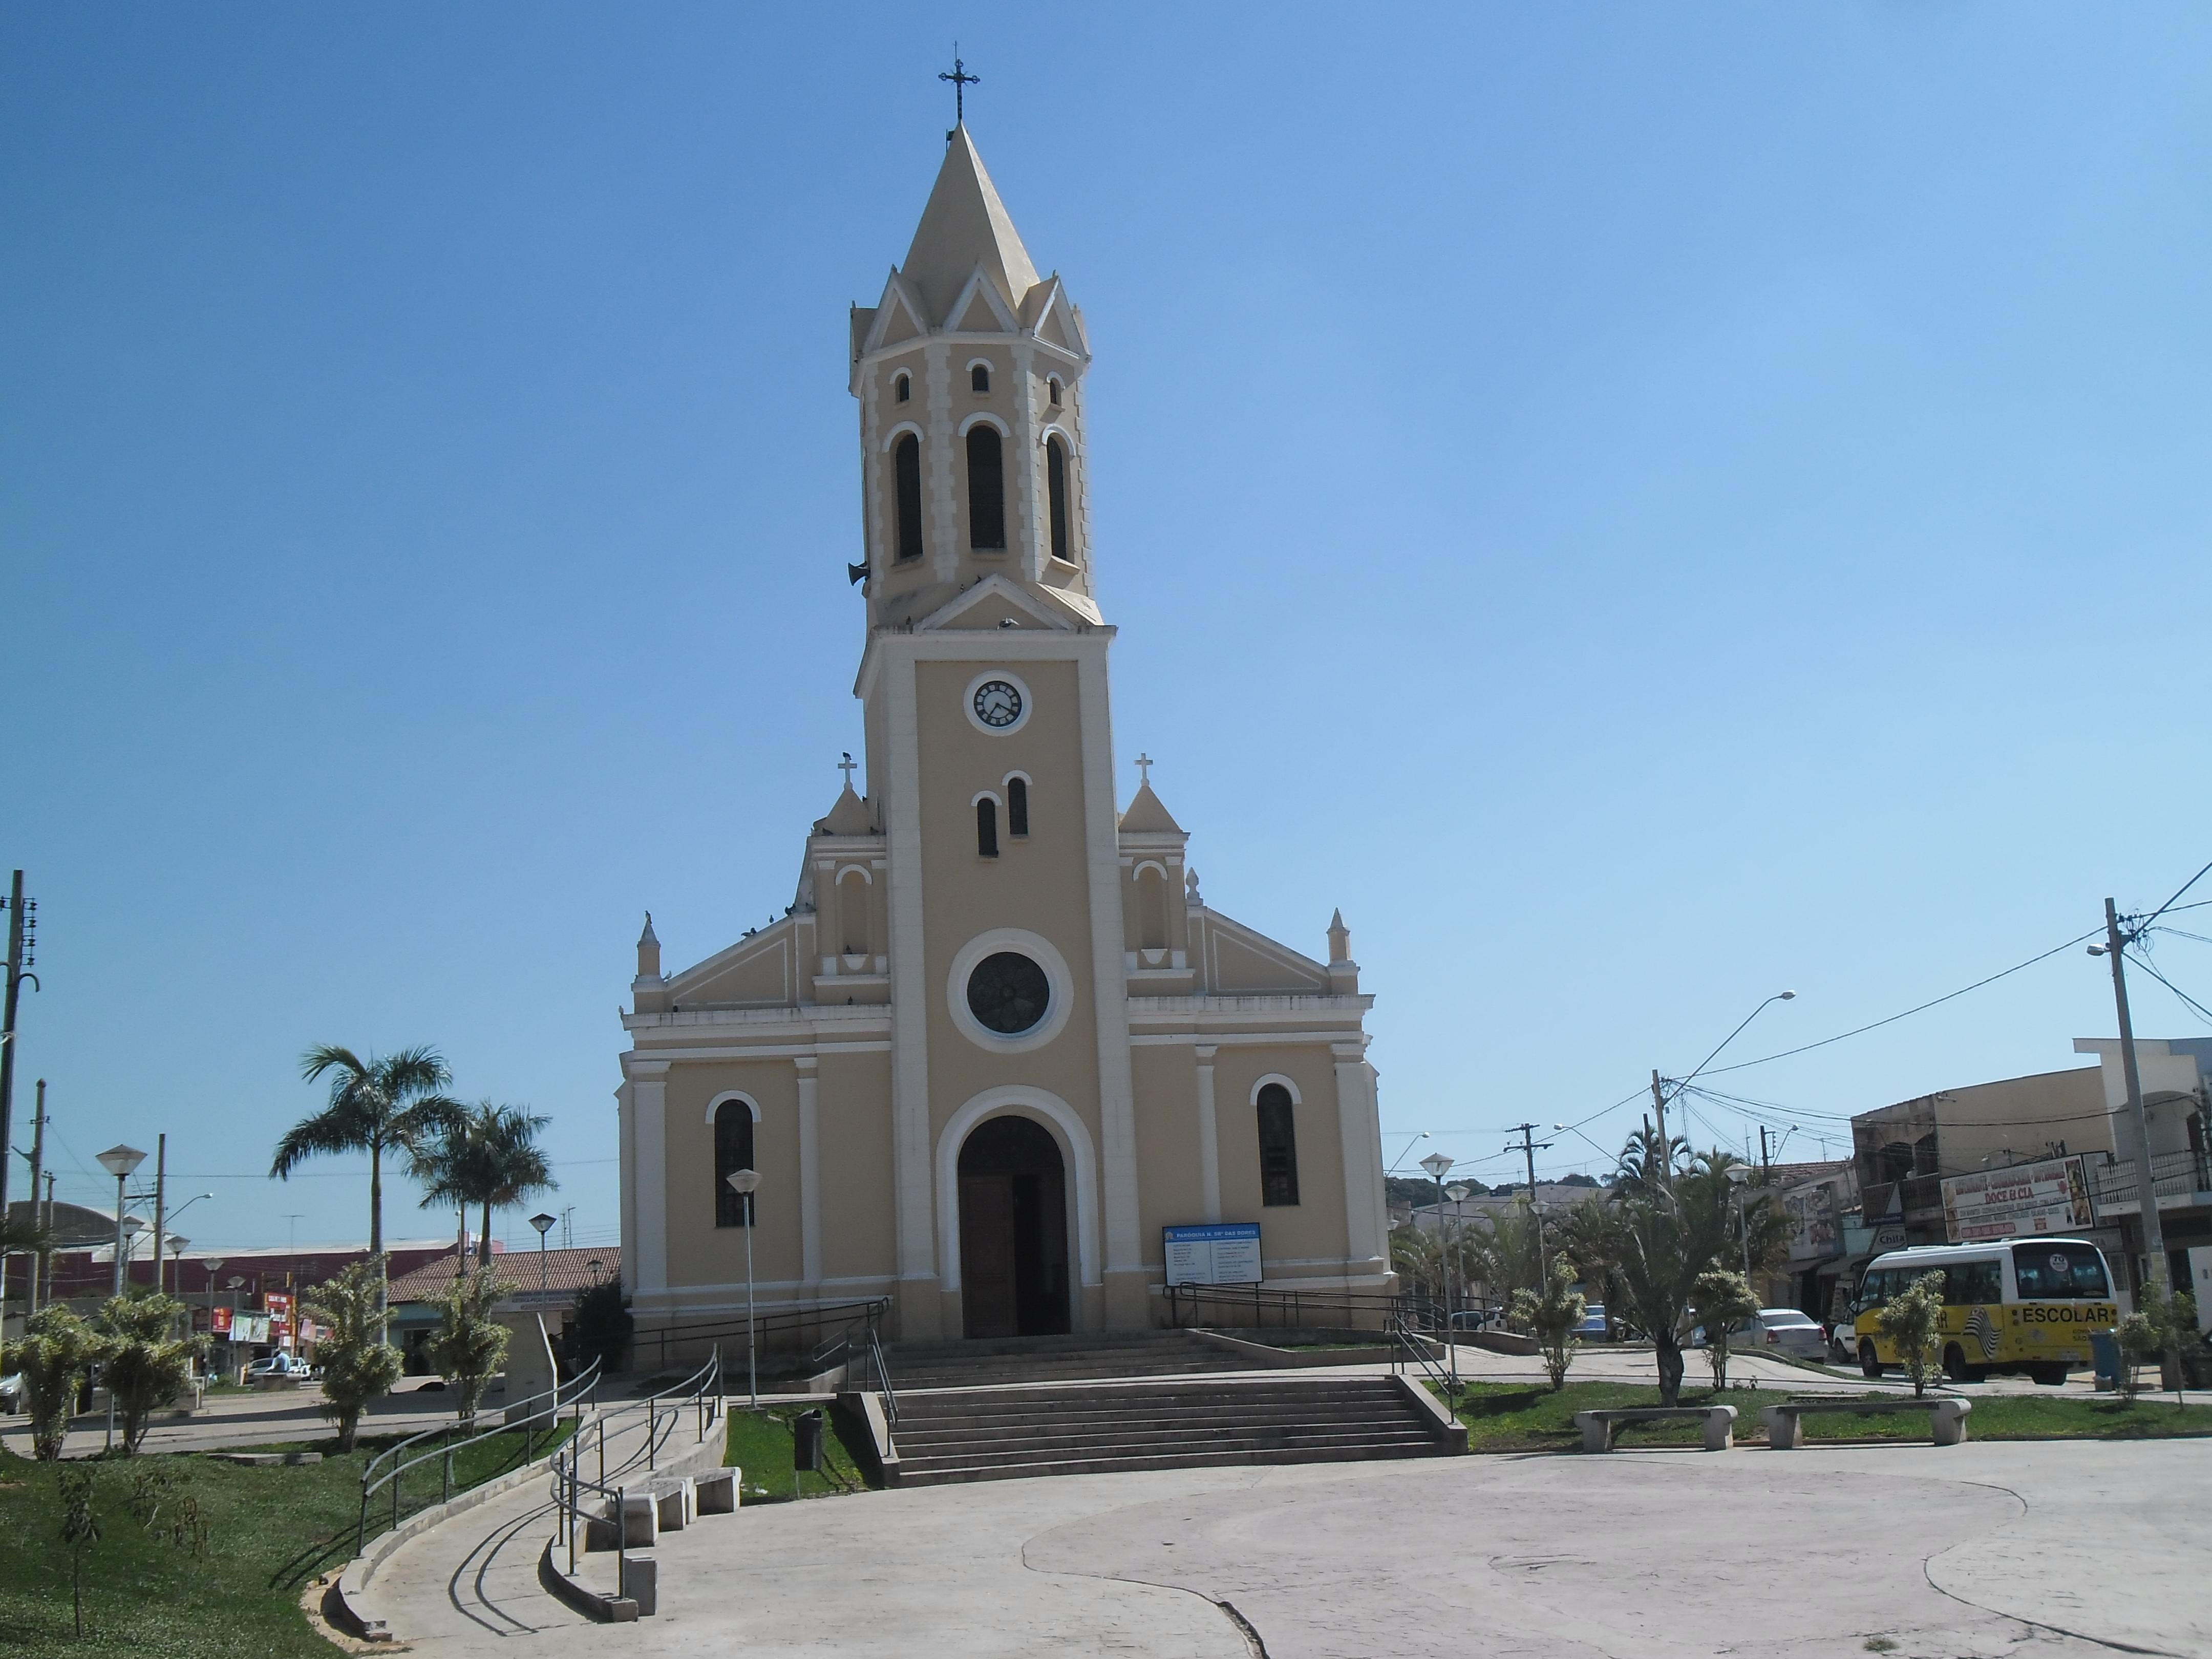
{"x":1766,"y":1161}
{"x":2153,"y":1229}
{"x":1528,"y":1148}
{"x":38,"y":1170}
{"x":21,"y":947}
{"x":46,"y":1257}
{"x":1666,"y":1148}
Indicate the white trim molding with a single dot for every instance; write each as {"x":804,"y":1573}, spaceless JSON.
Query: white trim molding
{"x":984,"y":417}
{"x":1082,"y":1159}
{"x":900,"y":431}
{"x":725,"y":1097}
{"x":1290,"y":1083}
{"x":1060,"y":1005}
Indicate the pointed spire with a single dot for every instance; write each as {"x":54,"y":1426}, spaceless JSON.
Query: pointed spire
{"x":965,"y":225}
{"x":649,"y":951}
{"x":1339,"y":941}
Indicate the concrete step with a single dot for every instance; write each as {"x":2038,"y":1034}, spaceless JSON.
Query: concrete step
{"x":1167,"y":1460}
{"x":1079,"y":1448}
{"x":1166,"y":1420}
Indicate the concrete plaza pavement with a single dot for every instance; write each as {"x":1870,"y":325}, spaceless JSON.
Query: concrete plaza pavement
{"x":1986,"y":1549}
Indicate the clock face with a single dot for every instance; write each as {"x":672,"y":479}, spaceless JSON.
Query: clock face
{"x":998,"y":704}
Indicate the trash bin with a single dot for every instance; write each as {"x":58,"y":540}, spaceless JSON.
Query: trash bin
{"x":2105,"y":1356}
{"x":807,"y":1442}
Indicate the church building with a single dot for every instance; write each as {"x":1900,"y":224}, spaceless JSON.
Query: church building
{"x":999,"y":1041}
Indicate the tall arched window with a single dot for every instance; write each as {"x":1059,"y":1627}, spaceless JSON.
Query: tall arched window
{"x":1056,"y":476}
{"x":1052,"y":389}
{"x":1278,"y":1147}
{"x":979,"y":378}
{"x":902,"y":388}
{"x":733,"y":1151}
{"x":987,"y":489}
{"x":1017,"y":808}
{"x":905,"y":458}
{"x":852,"y":912}
{"x":1153,"y":910}
{"x":986,"y":827}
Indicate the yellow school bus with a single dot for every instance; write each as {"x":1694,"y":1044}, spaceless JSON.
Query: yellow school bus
{"x":2021,"y":1305}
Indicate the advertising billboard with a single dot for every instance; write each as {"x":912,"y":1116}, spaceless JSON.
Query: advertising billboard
{"x":2021,"y":1201}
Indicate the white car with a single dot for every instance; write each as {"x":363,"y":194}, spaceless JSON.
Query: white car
{"x":1786,"y":1331}
{"x":280,"y":1364}
{"x":14,"y":1396}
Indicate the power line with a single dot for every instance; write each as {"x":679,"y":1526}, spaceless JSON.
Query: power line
{"x":2142,"y":963}
{"x":2168,"y":905}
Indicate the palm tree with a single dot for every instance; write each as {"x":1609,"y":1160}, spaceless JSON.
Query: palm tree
{"x":394,"y":1102}
{"x":487,"y":1156}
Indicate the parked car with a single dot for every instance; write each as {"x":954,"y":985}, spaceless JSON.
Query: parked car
{"x":13,"y":1394}
{"x":1780,"y":1330}
{"x":1592,"y":1329}
{"x":279,"y":1364}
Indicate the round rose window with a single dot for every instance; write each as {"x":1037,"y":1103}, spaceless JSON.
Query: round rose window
{"x":1008,"y":993}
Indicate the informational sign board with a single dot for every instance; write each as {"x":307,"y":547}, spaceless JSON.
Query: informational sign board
{"x":1219,"y":1253}
{"x":219,"y":1321}
{"x":247,"y":1328}
{"x":2021,"y":1201}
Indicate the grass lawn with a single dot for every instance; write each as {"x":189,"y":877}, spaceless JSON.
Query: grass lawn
{"x":1509,"y":1418}
{"x":760,"y":1445}
{"x":270,"y":1532}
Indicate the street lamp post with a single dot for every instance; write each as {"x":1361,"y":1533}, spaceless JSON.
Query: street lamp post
{"x":118,"y":1160}
{"x":744,"y":1183}
{"x":543,"y":1223}
{"x":1439,"y":1165}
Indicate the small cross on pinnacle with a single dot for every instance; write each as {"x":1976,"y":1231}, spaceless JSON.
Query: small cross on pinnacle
{"x":1143,"y":771}
{"x":846,"y":766}
{"x":961,"y":82}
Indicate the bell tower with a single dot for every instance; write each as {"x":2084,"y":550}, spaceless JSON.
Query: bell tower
{"x":969,"y":372}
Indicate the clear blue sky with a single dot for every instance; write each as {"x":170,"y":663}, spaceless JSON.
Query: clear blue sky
{"x":1640,"y":507}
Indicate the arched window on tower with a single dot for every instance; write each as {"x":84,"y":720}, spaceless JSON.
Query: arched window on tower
{"x":1151,"y":909}
{"x":1052,"y":391}
{"x":902,"y":388}
{"x":733,"y":1151}
{"x":1278,"y":1147}
{"x":986,"y":827}
{"x":1055,"y":475}
{"x":987,"y":489}
{"x":852,"y":912}
{"x":1018,"y":807}
{"x":906,"y":466}
{"x":979,"y":378}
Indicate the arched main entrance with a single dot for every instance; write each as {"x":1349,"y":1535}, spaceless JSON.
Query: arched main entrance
{"x":1013,"y":1230}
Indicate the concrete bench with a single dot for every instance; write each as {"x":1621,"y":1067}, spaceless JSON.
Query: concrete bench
{"x":717,"y":1491}
{"x":1785,"y":1433}
{"x":1599,"y":1427}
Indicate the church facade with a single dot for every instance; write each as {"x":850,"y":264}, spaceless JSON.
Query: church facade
{"x":999,"y":1041}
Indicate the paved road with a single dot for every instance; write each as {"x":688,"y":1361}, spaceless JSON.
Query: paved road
{"x":1987,"y":1549}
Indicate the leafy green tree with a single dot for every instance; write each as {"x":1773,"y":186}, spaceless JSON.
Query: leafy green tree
{"x":488,"y":1155}
{"x":1672,"y":1228}
{"x":1503,"y":1254}
{"x":379,"y":1104}
{"x":80,"y":1527}
{"x":1592,"y":1236}
{"x":146,"y":1363}
{"x":57,"y":1351}
{"x":1913,"y":1321}
{"x":1417,"y":1257}
{"x":1718,"y":1299}
{"x":599,"y":1326}
{"x":470,"y":1343}
{"x":2164,"y":1324}
{"x":358,"y":1364}
{"x":1550,"y":1315}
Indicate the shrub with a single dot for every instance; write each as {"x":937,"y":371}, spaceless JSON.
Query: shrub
{"x":146,"y":1366}
{"x":470,"y":1343}
{"x":1718,"y":1299}
{"x":1913,"y":1320}
{"x":1552,"y":1316}
{"x":599,"y":1326}
{"x":57,"y":1351}
{"x":358,"y":1364}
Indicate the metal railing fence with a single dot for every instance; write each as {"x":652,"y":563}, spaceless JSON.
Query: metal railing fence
{"x":702,"y":1391}
{"x":389,"y":1467}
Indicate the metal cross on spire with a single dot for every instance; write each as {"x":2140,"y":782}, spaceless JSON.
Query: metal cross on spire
{"x":846,"y":766}
{"x":961,"y":82}
{"x":1143,"y":771}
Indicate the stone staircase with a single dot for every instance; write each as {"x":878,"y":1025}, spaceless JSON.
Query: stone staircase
{"x":986,"y":1362}
{"x":1091,"y":1428}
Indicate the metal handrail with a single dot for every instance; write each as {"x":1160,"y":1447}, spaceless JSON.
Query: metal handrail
{"x":702,"y":1389}
{"x":883,"y":1378}
{"x":524,"y":1412}
{"x":1402,"y":1341}
{"x":872,"y":1310}
{"x":1187,"y":1304}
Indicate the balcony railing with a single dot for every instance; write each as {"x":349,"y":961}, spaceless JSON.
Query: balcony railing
{"x":2179,"y":1179}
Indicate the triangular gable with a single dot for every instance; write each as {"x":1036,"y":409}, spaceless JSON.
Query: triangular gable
{"x":898,"y":317}
{"x":759,"y":971}
{"x":1052,"y":317}
{"x":979,"y":309}
{"x":1240,"y":959}
{"x":997,"y":596}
